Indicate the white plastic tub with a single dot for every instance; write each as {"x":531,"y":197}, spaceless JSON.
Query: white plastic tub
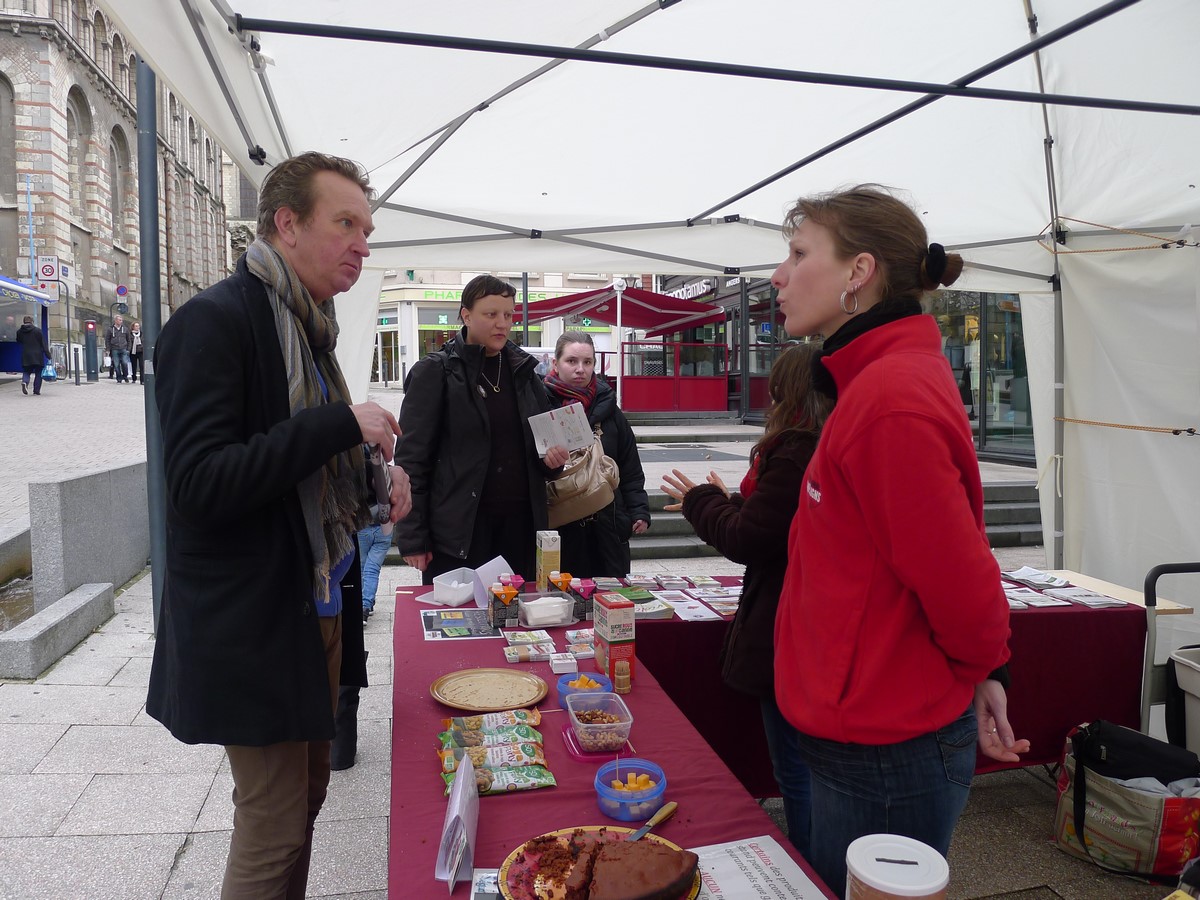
{"x":1187,"y":673}
{"x":454,"y":588}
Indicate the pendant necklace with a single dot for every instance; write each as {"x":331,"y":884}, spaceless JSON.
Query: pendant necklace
{"x":482,"y":374}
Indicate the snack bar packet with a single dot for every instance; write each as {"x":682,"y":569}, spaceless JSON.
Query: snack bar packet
{"x":580,"y":635}
{"x":529,"y":652}
{"x":494,"y":720}
{"x":582,"y":651}
{"x":504,"y":781}
{"x":502,"y":756}
{"x":505,"y":734}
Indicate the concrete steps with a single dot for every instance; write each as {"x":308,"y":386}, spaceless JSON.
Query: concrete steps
{"x":1011,"y":514}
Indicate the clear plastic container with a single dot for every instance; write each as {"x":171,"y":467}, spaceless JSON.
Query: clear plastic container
{"x":601,"y":735}
{"x":454,"y":588}
{"x":546,"y":610}
{"x":626,"y":805}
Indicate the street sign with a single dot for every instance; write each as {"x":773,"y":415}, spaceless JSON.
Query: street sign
{"x":47,"y":267}
{"x":122,"y":290}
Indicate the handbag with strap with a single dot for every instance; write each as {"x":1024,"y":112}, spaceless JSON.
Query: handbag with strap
{"x":1118,"y":828}
{"x":586,"y":485}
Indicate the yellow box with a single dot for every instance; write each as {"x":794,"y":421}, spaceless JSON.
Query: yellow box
{"x":549,"y":557}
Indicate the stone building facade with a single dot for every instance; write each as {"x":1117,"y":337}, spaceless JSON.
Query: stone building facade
{"x":68,"y":152}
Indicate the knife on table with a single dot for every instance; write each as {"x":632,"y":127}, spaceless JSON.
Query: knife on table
{"x":662,"y":815}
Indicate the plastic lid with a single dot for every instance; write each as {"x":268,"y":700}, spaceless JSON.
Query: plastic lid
{"x":897,"y":865}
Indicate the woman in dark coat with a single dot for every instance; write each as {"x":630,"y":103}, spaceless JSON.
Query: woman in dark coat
{"x":751,"y":527}
{"x":599,"y":544}
{"x":478,"y":485}
{"x":33,"y":355}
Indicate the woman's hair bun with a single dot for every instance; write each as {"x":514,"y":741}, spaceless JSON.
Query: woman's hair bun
{"x":939,"y":268}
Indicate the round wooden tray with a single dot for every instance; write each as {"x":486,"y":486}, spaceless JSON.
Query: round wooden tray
{"x":488,"y":690}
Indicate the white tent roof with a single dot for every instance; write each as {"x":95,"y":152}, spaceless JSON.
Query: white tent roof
{"x":610,"y":164}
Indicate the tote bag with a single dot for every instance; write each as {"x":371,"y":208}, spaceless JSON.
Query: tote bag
{"x":585,"y":487}
{"x":49,"y":373}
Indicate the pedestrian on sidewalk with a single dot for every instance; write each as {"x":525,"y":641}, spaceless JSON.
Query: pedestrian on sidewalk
{"x":117,"y":342}
{"x":136,"y":353}
{"x":373,"y":543}
{"x":266,"y":488}
{"x":34,"y":355}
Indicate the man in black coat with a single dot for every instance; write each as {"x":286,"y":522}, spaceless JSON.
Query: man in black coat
{"x":265,"y":491}
{"x":33,"y":355}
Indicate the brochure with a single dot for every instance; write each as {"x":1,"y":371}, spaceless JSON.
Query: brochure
{"x":757,"y":867}
{"x":456,"y":624}
{"x":1084,"y":597}
{"x":457,"y":848}
{"x":567,"y":426}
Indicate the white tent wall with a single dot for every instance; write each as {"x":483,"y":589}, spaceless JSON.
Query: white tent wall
{"x":1132,"y":359}
{"x":358,"y":317}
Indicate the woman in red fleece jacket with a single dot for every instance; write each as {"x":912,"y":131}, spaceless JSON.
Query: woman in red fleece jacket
{"x":892,"y":616}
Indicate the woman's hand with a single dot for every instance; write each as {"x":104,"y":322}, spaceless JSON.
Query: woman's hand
{"x":996,"y":739}
{"x":676,"y":485}
{"x":640,"y":526}
{"x":557,"y":456}
{"x":715,"y":479}
{"x":419,"y":561}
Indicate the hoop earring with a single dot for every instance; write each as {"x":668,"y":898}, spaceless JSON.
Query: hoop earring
{"x":842,"y":302}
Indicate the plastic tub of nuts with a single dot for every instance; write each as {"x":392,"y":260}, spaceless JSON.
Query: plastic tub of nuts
{"x":601,"y":720}
{"x":630,"y":789}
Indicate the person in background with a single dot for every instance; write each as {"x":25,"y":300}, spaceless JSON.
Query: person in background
{"x":34,"y":355}
{"x":892,"y":626}
{"x":599,"y":544}
{"x":479,"y":487}
{"x":137,"y":370}
{"x":266,"y":487}
{"x":751,"y":527}
{"x":117,"y":342}
{"x":373,"y":543}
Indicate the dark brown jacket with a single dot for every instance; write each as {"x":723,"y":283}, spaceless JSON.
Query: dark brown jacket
{"x":754,"y":532}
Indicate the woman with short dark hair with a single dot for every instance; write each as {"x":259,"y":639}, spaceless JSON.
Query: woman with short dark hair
{"x":478,"y":484}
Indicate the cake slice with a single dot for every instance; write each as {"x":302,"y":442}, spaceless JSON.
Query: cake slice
{"x":643,"y":870}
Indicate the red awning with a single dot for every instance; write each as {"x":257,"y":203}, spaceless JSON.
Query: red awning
{"x":645,"y":310}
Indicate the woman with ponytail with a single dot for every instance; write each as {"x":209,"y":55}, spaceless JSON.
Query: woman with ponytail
{"x":892,"y":629}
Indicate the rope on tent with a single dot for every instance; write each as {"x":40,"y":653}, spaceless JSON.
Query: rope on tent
{"x":1159,"y":243}
{"x":1190,"y":432}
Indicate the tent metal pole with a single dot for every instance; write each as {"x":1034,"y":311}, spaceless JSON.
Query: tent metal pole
{"x":446,"y":134}
{"x":147,"y":154}
{"x":995,"y":65}
{"x":744,"y":341}
{"x":525,"y":309}
{"x":512,"y":48}
{"x":1059,"y":528}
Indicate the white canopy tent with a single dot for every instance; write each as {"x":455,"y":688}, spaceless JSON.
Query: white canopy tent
{"x":514,"y":161}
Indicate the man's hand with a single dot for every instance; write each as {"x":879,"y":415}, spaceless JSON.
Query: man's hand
{"x":378,"y":426}
{"x":419,"y":561}
{"x":557,"y":456}
{"x":995,"y":734}
{"x":401,"y":496}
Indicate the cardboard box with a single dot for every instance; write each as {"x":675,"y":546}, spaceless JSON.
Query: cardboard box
{"x":613,"y":624}
{"x":549,"y":557}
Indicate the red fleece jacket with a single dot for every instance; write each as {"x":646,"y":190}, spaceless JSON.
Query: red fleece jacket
{"x":892,"y":609}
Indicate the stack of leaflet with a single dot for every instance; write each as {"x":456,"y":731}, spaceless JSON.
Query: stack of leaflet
{"x":1084,"y":597}
{"x":653,"y":609}
{"x":1036,"y":578}
{"x":1018,"y":596}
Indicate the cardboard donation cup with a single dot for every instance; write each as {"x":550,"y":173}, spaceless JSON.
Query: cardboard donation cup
{"x":890,"y":866}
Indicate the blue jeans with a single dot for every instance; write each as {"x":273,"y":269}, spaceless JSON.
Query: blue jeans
{"x":372,"y":548}
{"x":121,"y":363}
{"x":791,"y":773}
{"x":916,"y":788}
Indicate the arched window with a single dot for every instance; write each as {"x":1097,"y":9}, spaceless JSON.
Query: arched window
{"x":79,"y":133}
{"x":75,"y":26}
{"x":133,"y":77}
{"x":8,"y":143}
{"x":119,"y":75}
{"x":193,"y":148}
{"x":209,"y":164}
{"x":100,"y":42}
{"x":118,"y":171}
{"x":216,"y":259}
{"x":173,"y":112}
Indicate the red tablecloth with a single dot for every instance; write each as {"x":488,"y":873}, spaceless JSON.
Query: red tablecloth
{"x":713,"y":805}
{"x":1069,"y":665}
